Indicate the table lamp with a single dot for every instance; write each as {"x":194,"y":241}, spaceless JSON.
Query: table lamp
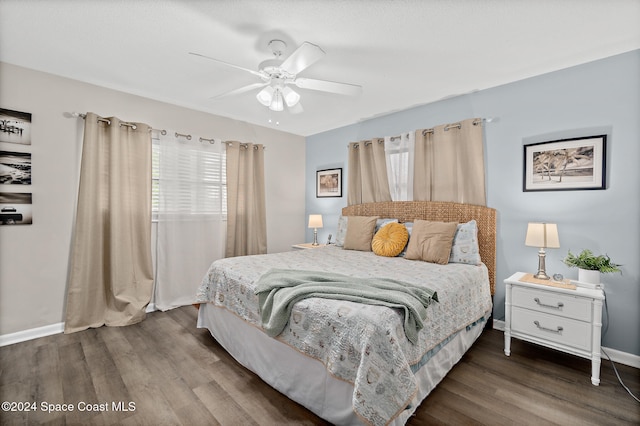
{"x":542,"y":235}
{"x":315,"y":222}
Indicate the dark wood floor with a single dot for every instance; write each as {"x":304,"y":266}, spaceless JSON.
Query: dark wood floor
{"x":175,"y":374}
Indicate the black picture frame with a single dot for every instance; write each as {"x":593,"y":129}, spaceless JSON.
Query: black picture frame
{"x":15,"y":126}
{"x":565,"y":164}
{"x":329,"y":183}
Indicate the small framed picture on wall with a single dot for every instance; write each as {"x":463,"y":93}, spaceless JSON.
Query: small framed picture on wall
{"x":15,"y":126}
{"x":329,"y":183}
{"x":16,"y":208}
{"x":565,"y":165}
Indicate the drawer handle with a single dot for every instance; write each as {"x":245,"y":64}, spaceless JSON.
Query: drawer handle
{"x":558,"y":306}
{"x":558,"y":330}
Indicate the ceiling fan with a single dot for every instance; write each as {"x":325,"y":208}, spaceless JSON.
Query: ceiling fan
{"x":278,"y":74}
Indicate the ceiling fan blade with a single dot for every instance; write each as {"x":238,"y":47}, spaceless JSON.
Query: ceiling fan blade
{"x":303,"y":57}
{"x":296,"y":109}
{"x":328,"y":86}
{"x":257,"y":73}
{"x":241,"y":90}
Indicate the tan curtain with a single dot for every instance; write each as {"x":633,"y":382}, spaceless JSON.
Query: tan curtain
{"x":449,"y":163}
{"x":246,"y":211}
{"x":111,"y":276}
{"x":367,"y":181}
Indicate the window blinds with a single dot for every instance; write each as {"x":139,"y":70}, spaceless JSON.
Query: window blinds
{"x":189,"y":178}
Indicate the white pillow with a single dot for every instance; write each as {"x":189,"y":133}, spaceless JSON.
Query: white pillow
{"x":342,"y":230}
{"x":465,"y":244}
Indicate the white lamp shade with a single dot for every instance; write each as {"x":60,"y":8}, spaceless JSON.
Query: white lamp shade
{"x":315,"y":221}
{"x":291,"y":98}
{"x":265,"y":96}
{"x":277,"y":103}
{"x":542,"y":235}
{"x":275,"y":97}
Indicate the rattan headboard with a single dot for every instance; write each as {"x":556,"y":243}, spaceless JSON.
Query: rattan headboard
{"x":407,"y":211}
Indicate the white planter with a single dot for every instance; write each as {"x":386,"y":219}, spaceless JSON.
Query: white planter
{"x":589,"y":277}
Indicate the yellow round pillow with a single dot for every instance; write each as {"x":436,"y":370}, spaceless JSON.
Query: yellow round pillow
{"x":390,"y":240}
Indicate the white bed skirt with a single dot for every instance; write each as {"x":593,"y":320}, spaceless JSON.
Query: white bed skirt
{"x":304,"y":379}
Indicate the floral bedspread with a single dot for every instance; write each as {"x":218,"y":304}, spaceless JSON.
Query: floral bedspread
{"x":362,"y":344}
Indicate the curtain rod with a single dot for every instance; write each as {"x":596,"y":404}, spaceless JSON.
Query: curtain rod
{"x":188,"y":137}
{"x":458,"y":125}
{"x":133,"y":126}
{"x":446,"y":128}
{"x":162,"y":131}
{"x":242,"y":145}
{"x":122,"y":123}
{"x":393,"y":138}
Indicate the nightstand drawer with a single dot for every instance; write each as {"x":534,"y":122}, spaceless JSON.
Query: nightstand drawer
{"x":552,"y":303}
{"x":552,"y":328}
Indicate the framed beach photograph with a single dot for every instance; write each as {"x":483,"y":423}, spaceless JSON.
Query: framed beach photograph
{"x":15,"y":168}
{"x":329,"y":183}
{"x":16,"y":208}
{"x":15,"y":126}
{"x":565,"y":165}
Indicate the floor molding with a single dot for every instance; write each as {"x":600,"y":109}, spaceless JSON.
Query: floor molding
{"x":616,"y":356}
{"x":47,"y":330}
{"x":33,"y":333}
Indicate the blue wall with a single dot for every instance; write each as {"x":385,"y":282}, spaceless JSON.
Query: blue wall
{"x":601,"y":97}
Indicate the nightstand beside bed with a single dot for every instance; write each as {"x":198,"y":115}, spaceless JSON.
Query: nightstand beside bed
{"x":559,"y":317}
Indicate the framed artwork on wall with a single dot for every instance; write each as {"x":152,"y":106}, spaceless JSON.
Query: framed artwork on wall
{"x":565,"y":165}
{"x":15,"y":208}
{"x":329,"y":183}
{"x":15,"y":126}
{"x":15,"y":168}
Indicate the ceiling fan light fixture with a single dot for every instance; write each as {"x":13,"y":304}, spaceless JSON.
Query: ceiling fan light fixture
{"x":277,"y":73}
{"x":291,"y":97}
{"x":265,"y":96}
{"x":277,"y":103}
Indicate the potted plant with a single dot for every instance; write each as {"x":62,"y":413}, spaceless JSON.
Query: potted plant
{"x":590,"y":266}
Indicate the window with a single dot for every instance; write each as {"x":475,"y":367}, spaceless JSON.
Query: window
{"x":399,"y":153}
{"x":397,"y":165}
{"x":191,"y":176}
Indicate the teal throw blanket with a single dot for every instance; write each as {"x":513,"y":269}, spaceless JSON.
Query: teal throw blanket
{"x":279,"y":289}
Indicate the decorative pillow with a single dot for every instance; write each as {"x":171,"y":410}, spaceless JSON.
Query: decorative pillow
{"x":343,"y":222}
{"x":382,"y":222}
{"x":360,"y":231}
{"x":342,"y":230}
{"x":431,"y":241}
{"x":390,"y":240}
{"x":465,"y":244}
{"x":409,"y":226}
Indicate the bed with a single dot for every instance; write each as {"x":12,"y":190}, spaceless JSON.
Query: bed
{"x":348,"y":362}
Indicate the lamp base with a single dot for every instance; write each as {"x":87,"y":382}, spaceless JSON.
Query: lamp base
{"x":542,"y":274}
{"x":315,"y":237}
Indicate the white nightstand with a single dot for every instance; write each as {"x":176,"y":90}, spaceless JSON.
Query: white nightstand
{"x":307,"y":246}
{"x":569,"y":320}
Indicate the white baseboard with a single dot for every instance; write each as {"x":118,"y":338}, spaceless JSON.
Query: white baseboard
{"x":47,"y":330}
{"x":498,"y":325}
{"x":33,"y":333}
{"x":621,"y":357}
{"x":616,"y":356}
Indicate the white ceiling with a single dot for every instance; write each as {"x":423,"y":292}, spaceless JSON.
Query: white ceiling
{"x":403,"y":52}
